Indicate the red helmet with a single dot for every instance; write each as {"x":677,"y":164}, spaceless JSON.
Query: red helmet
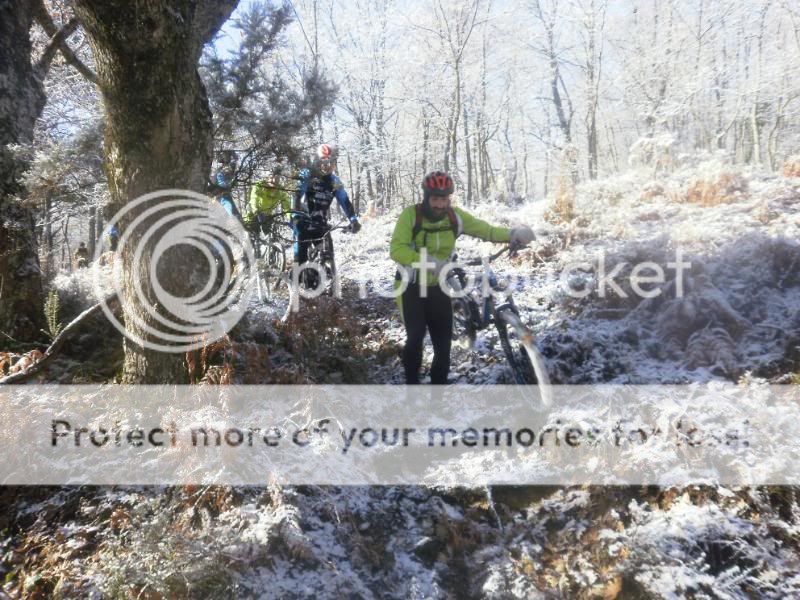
{"x":327,"y":152}
{"x":326,"y":158}
{"x":438,"y":183}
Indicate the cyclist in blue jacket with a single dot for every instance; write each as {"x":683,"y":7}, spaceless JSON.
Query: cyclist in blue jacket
{"x":316,"y":192}
{"x":223,"y":182}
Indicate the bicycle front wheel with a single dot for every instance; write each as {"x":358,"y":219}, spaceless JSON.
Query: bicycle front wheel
{"x":510,"y":330}
{"x":332,"y":284}
{"x":463,"y":326}
{"x":275,"y":257}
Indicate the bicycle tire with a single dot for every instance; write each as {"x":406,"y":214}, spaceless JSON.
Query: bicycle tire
{"x":275,"y":257}
{"x":308,"y":277}
{"x":464,"y":332}
{"x":329,"y":264}
{"x":332,"y":282}
{"x":516,"y":354}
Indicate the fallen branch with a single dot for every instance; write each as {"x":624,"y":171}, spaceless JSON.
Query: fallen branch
{"x":55,"y":346}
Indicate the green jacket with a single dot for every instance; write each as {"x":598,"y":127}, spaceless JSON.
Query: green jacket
{"x":266,"y":200}
{"x":438,"y":238}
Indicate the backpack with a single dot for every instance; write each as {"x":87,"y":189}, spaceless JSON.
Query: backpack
{"x":454,"y":224}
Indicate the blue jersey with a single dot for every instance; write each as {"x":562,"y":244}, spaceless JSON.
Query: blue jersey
{"x":224,"y":181}
{"x":319,"y":192}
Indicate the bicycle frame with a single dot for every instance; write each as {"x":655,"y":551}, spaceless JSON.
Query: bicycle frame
{"x":487,"y":311}
{"x":326,"y":241}
{"x":523,"y":357}
{"x":321,"y":250}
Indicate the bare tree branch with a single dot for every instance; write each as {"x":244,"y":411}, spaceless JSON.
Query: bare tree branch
{"x":43,"y":65}
{"x":59,"y":40}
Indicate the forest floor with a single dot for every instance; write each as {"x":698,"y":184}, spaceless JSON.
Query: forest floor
{"x":738,"y":321}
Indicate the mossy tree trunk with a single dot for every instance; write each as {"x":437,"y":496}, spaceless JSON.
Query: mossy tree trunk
{"x":21,"y":102}
{"x":158,"y":133}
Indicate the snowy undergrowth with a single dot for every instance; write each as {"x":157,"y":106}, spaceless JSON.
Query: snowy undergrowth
{"x":739,"y":310}
{"x":739,"y":313}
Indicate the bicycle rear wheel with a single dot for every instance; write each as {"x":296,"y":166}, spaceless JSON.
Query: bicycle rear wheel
{"x":508,"y":329}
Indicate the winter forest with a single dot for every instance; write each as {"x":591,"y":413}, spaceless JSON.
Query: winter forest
{"x":621,"y":132}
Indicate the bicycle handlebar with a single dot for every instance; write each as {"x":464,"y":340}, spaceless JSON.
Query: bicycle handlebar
{"x":512,"y":249}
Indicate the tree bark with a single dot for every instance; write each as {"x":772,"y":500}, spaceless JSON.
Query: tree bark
{"x":22,"y":99}
{"x":158,"y":136}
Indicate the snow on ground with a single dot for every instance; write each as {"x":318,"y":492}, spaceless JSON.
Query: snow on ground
{"x":740,"y":313}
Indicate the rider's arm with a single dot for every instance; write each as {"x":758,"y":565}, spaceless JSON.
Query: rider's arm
{"x":481,"y":229}
{"x":343,"y":199}
{"x":299,"y":197}
{"x":401,"y":248}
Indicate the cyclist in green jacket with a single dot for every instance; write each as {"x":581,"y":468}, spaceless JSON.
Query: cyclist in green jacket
{"x":434,"y":225}
{"x":266,"y":197}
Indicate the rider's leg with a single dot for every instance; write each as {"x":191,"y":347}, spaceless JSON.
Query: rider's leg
{"x":301,"y":234}
{"x":413,"y":311}
{"x":439,"y":318}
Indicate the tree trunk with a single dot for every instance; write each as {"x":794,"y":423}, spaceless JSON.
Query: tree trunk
{"x":468,"y":154}
{"x":97,"y":234}
{"x":92,"y":223}
{"x":527,"y":190}
{"x":448,"y":141}
{"x":426,"y":123}
{"x":158,"y":136}
{"x":756,"y":110}
{"x":21,"y":102}
{"x":755,"y":132}
{"x":47,"y":232}
{"x":511,"y":169}
{"x":66,"y":249}
{"x":456,"y":114}
{"x":594,"y":65}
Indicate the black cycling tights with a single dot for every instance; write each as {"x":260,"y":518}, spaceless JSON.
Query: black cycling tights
{"x":302,"y":243}
{"x":436,"y":314}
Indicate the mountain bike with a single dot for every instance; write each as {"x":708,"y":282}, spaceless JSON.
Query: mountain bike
{"x":321,"y":255}
{"x":268,"y":247}
{"x":267,"y":243}
{"x":477,"y":310}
